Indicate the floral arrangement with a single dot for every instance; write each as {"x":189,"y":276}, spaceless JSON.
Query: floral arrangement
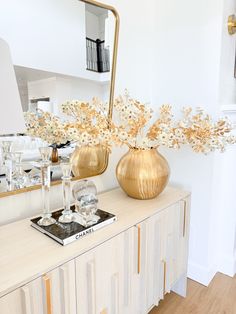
{"x":88,"y":125}
{"x":48,"y":127}
{"x":195,"y":128}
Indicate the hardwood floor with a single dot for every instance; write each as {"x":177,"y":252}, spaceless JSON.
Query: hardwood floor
{"x":218,"y":298}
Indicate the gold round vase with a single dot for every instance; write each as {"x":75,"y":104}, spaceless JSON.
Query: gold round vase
{"x":143,"y":174}
{"x":89,"y":161}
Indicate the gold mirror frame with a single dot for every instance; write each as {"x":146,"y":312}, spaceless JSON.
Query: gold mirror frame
{"x":111,"y":98}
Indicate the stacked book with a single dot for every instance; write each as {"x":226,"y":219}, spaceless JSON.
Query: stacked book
{"x":67,"y":233}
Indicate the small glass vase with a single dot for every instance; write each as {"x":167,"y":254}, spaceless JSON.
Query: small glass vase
{"x":67,"y":214}
{"x":85,"y":196}
{"x":46,"y":219}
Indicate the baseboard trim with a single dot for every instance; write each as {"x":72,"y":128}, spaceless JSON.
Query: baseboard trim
{"x":227,"y":266}
{"x":200,"y":274}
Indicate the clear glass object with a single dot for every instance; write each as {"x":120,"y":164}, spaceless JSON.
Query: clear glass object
{"x":85,"y":196}
{"x":6,"y":147}
{"x":19,"y":176}
{"x":67,"y":214}
{"x":46,"y":219}
{"x":34,"y":177}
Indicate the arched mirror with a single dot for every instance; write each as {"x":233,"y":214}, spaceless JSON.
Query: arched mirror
{"x":61,"y":51}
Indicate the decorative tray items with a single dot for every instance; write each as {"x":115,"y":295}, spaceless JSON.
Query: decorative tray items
{"x":72,"y":222}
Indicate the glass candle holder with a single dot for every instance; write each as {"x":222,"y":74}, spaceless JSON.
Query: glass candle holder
{"x":46,"y":219}
{"x":85,"y":196}
{"x":67,"y":214}
{"x":19,"y":177}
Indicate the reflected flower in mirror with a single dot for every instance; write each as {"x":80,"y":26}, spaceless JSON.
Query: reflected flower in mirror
{"x":89,"y":123}
{"x":48,"y":127}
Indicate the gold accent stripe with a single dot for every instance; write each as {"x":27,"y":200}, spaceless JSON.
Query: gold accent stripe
{"x":47,"y":282}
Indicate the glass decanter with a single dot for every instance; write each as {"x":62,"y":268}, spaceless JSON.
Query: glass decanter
{"x":85,"y":196}
{"x":19,"y":176}
{"x":67,"y":214}
{"x":46,"y":219}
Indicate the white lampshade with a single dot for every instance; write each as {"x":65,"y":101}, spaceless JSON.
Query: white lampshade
{"x":11,"y":113}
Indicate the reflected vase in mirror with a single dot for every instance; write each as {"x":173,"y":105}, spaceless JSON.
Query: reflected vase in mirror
{"x":85,"y":196}
{"x":46,"y":219}
{"x":89,"y":161}
{"x":55,"y":155}
{"x":67,"y":214}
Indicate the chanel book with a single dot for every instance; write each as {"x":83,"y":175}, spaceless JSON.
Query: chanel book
{"x":67,"y":233}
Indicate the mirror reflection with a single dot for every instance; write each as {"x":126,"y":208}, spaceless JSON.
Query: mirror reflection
{"x":43,"y":90}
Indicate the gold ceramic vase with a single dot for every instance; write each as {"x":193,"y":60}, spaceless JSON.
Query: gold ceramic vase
{"x":89,"y":161}
{"x":143,"y":174}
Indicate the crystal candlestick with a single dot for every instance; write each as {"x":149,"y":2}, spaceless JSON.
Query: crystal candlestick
{"x":67,"y":214}
{"x":46,"y":219}
{"x":19,"y":177}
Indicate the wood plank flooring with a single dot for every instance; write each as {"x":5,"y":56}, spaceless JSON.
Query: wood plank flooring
{"x":218,"y":298}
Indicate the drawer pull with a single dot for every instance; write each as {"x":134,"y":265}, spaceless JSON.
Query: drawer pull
{"x":184,"y":219}
{"x":139,"y":249}
{"x":47,"y":282}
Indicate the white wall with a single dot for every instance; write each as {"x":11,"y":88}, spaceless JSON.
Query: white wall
{"x":225,"y":167}
{"x":50,"y":35}
{"x":169,"y":51}
{"x":194,"y":66}
{"x":92,"y":25}
{"x":60,"y":90}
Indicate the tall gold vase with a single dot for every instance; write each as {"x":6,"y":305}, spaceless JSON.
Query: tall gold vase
{"x":89,"y":161}
{"x":143,"y":174}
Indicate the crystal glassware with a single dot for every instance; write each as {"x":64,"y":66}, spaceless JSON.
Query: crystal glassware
{"x":35,"y":177}
{"x":46,"y":219}
{"x":67,"y":214}
{"x":19,"y":177}
{"x":85,"y":196}
{"x":6,"y":147}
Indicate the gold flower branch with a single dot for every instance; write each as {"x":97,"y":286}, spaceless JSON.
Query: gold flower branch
{"x":88,"y":125}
